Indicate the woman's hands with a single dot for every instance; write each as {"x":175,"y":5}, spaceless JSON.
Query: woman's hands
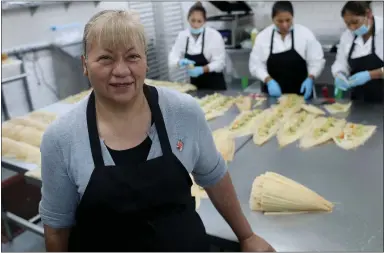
{"x":185,"y":62}
{"x":255,"y":244}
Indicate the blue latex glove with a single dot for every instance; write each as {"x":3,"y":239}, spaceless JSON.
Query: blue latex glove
{"x":359,"y":78}
{"x":341,"y":83}
{"x":185,"y":62}
{"x":195,"y":72}
{"x":306,"y":87}
{"x":274,"y":88}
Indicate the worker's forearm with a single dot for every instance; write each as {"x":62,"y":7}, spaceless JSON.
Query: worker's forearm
{"x":56,"y":240}
{"x":206,"y":69}
{"x":376,"y":73}
{"x":267,"y":79}
{"x":223,"y":197}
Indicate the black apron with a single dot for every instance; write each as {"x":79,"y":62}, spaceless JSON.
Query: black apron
{"x":145,"y":207}
{"x":287,"y":68}
{"x":372,"y":91}
{"x":206,"y":81}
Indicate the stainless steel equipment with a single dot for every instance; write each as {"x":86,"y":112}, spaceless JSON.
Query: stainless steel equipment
{"x":69,"y":70}
{"x":236,"y":13}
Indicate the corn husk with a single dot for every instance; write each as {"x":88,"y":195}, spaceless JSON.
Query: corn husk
{"x":225,"y":143}
{"x":244,"y":103}
{"x":244,"y":123}
{"x":293,"y":129}
{"x":29,"y":122}
{"x":274,"y":193}
{"x":77,"y":97}
{"x":22,"y":133}
{"x":354,"y":135}
{"x":321,"y":131}
{"x":312,"y":109}
{"x":338,"y":108}
{"x":43,"y":117}
{"x":20,"y":151}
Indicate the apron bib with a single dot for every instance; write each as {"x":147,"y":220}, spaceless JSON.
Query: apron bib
{"x":207,"y":81}
{"x":144,"y":207}
{"x":372,"y":91}
{"x":287,"y":68}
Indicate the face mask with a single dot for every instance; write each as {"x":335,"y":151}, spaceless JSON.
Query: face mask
{"x":361,"y":30}
{"x":196,"y":31}
{"x":278,"y":30}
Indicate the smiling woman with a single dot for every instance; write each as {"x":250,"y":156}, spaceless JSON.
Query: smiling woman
{"x":114,"y":55}
{"x":121,"y":159}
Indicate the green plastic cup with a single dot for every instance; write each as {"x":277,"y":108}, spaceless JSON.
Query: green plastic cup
{"x":339,"y":94}
{"x":244,"y":82}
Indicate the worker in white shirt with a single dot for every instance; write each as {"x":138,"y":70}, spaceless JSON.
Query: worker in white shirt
{"x":360,"y":54}
{"x":201,"y":50}
{"x":287,"y":57}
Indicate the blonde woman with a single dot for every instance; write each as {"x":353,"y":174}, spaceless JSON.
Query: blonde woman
{"x":115,"y":171}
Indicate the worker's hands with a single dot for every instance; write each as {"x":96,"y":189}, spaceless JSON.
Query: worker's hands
{"x":255,"y":244}
{"x":341,"y":83}
{"x":274,"y":88}
{"x":359,"y":78}
{"x":306,"y":88}
{"x":195,"y":72}
{"x":185,"y":62}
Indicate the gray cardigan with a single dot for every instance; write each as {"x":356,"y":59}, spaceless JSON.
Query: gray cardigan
{"x":67,"y":161}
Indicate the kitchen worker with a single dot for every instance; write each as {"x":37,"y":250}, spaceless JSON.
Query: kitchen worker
{"x":115,"y":170}
{"x":287,"y":57}
{"x":201,"y":50}
{"x":359,"y":60}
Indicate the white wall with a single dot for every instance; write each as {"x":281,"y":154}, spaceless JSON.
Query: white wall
{"x":20,"y":28}
{"x":323,"y":18}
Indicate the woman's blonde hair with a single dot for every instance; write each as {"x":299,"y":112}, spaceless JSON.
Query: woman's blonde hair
{"x":114,"y":29}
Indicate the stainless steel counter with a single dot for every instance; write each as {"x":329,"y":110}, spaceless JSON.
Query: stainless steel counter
{"x":351,"y":179}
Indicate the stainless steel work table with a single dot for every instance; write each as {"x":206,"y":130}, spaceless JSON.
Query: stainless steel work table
{"x":353,"y":180}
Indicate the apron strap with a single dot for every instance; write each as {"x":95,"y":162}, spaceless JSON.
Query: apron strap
{"x":272,"y":37}
{"x":271,"y":46}
{"x":186,"y":46}
{"x":373,"y":37}
{"x":202,"y":43}
{"x":153,"y":100}
{"x":352,"y":48}
{"x":93,"y":132}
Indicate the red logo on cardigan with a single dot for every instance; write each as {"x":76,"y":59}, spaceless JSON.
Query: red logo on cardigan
{"x":179,"y":145}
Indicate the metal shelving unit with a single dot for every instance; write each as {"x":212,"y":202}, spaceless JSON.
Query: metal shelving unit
{"x":9,"y":80}
{"x":169,"y":22}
